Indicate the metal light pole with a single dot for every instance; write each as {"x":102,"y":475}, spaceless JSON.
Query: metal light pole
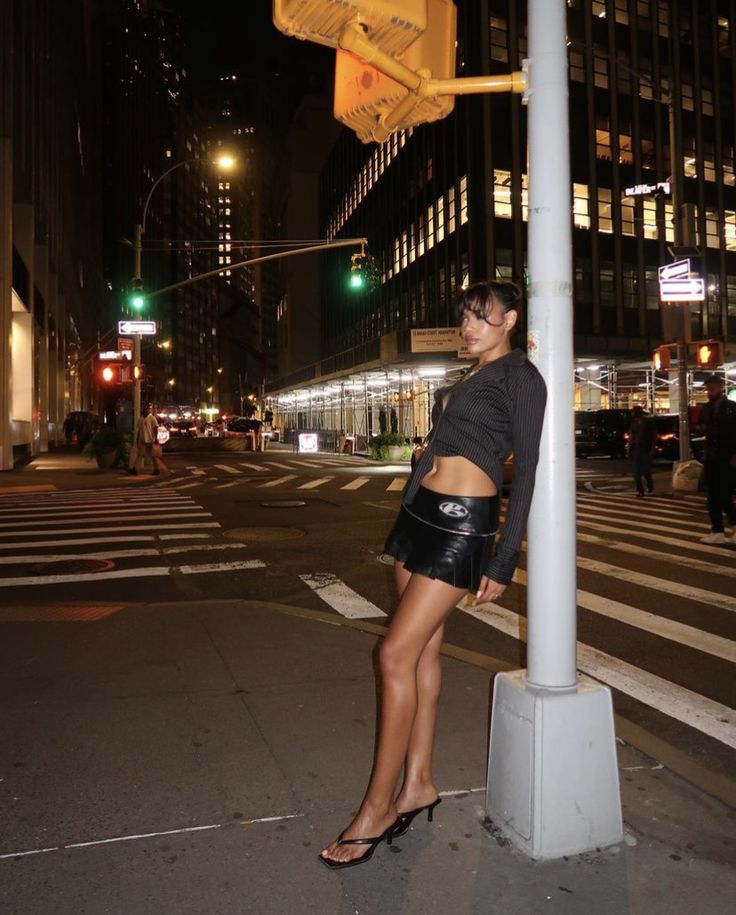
{"x":552,"y":775}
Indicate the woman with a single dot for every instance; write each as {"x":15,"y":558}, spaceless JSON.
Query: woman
{"x":441,"y":544}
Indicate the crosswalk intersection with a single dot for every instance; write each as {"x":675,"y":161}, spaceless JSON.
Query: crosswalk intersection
{"x":656,"y":607}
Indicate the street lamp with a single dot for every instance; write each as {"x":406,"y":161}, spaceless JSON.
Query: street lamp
{"x":225,"y":162}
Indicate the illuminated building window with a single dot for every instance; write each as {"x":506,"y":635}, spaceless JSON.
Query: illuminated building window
{"x":599,"y":9}
{"x":622,"y":12}
{"x":412,"y":244}
{"x":430,"y":227}
{"x":650,"y":218}
{"x":628,"y":214}
{"x":603,"y":144}
{"x":220,"y":260}
{"x":730,"y":231}
{"x":227,"y":211}
{"x":463,"y":200}
{"x":502,"y":193}
{"x":688,"y":103}
{"x":404,"y":250}
{"x":663,"y":18}
{"x":499,"y":39}
{"x":600,"y":71}
{"x":577,"y":66}
{"x":581,"y":214}
{"x":451,"y":211}
{"x":724,"y":38}
{"x":440,"y":207}
{"x":643,"y":8}
{"x":707,"y":96}
{"x":625,"y":154}
{"x":421,"y":244}
{"x":605,"y":223}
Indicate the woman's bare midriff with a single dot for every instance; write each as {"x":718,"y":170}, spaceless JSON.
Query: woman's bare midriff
{"x":457,"y":476}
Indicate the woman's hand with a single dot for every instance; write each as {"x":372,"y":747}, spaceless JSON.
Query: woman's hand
{"x":489,"y":590}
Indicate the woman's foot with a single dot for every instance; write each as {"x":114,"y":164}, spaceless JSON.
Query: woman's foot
{"x":414,"y":796}
{"x":369,"y":823}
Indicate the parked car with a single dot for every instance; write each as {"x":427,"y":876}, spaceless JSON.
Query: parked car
{"x":601,"y":432}
{"x":239,"y":425}
{"x":182,"y":428}
{"x":667,"y":445}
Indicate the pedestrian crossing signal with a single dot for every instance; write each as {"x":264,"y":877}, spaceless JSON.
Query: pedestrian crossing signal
{"x":709,"y":354}
{"x":661,"y":358}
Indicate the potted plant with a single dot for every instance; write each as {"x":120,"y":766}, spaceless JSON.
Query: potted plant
{"x":108,"y":447}
{"x":389,"y":446}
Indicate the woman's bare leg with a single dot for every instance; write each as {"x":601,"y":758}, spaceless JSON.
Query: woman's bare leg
{"x":418,"y":788}
{"x":423,"y":608}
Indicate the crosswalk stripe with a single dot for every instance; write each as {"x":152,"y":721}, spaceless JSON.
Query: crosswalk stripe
{"x":313,"y":484}
{"x":675,"y":588}
{"x":637,"y":508}
{"x":228,"y":469}
{"x":684,"y":705}
{"x":340,"y":597}
{"x":57,"y":513}
{"x":107,"y":530}
{"x":643,"y":525}
{"x":658,"y":538}
{"x":142,"y":572}
{"x":79,"y":541}
{"x":356,"y":483}
{"x":200,"y":547}
{"x":661,"y":626}
{"x":228,"y":485}
{"x":280,"y":466}
{"x":278,"y":481}
{"x":188,"y":486}
{"x":256,"y":468}
{"x":198,"y":473}
{"x":396,"y":485}
{"x":130,"y":499}
{"x":62,"y":557}
{"x":72,"y":519}
{"x":623,"y":513}
{"x":636,"y":549}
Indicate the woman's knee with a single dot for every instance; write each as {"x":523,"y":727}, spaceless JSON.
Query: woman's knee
{"x":396,"y":658}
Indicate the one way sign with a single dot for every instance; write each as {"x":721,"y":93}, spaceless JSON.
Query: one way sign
{"x":679,"y":270}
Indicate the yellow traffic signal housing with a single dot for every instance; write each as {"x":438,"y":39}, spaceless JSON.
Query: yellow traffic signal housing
{"x":709,"y":354}
{"x":364,"y":95}
{"x":661,"y":358}
{"x":392,"y":25}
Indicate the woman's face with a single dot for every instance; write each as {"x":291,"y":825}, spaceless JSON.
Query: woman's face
{"x":487,"y":337}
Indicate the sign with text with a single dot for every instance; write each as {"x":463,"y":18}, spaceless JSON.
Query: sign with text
{"x":147,"y":328}
{"x":307,"y":442}
{"x":125,"y":345}
{"x":641,"y":190}
{"x":437,"y":340}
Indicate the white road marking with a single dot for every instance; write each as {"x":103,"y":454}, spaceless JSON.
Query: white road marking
{"x":622,"y":514}
{"x":148,"y":835}
{"x":80,"y":541}
{"x":705,"y":715}
{"x":637,"y":550}
{"x":187,"y":486}
{"x":636,"y":509}
{"x":278,"y":481}
{"x":658,"y":538}
{"x":197,"y":547}
{"x":280,"y":466}
{"x":396,"y":485}
{"x":107,"y":530}
{"x":151,"y":496}
{"x":228,"y":485}
{"x":663,"y":585}
{"x":643,"y":525}
{"x":199,"y":513}
{"x":89,"y":513}
{"x":256,"y":468}
{"x":356,"y":483}
{"x":228,"y":469}
{"x":222,"y":566}
{"x":340,"y":597}
{"x":62,"y":557}
{"x":313,"y":484}
{"x":198,"y":473}
{"x":184,"y":536}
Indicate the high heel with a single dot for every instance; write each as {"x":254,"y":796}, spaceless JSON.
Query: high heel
{"x":372,"y":844}
{"x":409,"y":816}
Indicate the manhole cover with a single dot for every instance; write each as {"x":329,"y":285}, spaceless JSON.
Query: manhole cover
{"x":264,"y":534}
{"x":385,"y":559}
{"x":70,"y":566}
{"x":284,"y":503}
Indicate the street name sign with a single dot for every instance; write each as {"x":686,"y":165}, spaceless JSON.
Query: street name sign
{"x":146,"y":328}
{"x":641,"y":190}
{"x":116,"y":355}
{"x":677,"y":270}
{"x":687,"y":290}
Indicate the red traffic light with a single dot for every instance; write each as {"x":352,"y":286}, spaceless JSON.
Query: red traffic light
{"x":109,"y":374}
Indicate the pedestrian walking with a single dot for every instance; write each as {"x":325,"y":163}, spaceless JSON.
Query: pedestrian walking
{"x":146,"y":446}
{"x":642,"y":439}
{"x":68,"y":427}
{"x":442,"y":546}
{"x":718,"y":421}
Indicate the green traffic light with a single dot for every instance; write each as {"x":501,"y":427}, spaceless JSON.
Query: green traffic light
{"x":356,"y":280}
{"x":138,"y":301}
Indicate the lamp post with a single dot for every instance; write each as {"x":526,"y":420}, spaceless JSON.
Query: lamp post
{"x":225,"y":162}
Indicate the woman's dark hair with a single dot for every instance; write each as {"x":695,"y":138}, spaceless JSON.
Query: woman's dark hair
{"x":481,"y":298}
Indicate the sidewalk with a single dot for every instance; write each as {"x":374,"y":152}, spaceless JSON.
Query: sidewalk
{"x":222,"y":744}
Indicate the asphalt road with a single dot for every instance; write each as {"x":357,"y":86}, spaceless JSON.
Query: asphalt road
{"x":656,"y":607}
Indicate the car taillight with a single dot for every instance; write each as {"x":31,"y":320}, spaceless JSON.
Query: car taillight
{"x":667,"y":436}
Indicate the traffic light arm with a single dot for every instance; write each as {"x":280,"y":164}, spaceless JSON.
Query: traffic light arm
{"x":308,"y":249}
{"x":355,"y":40}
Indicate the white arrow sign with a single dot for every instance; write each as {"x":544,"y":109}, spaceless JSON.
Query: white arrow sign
{"x":682,"y":290}
{"x":679,"y":270}
{"x":147,"y":328}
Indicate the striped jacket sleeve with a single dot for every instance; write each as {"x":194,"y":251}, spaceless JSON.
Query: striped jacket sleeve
{"x":528,"y":394}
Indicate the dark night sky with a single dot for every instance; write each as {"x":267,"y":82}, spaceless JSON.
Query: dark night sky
{"x":239,"y":35}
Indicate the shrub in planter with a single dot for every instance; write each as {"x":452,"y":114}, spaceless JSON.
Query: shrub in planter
{"x":108,"y":446}
{"x":384,"y":447}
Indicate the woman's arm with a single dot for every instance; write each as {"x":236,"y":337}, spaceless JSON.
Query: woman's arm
{"x":528,"y":399}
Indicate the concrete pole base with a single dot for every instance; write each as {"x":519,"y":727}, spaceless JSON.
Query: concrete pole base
{"x":553,"y":786}
{"x":686,"y":476}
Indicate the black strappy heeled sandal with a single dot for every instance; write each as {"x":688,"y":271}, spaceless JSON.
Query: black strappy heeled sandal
{"x":408,"y":817}
{"x":372,"y":844}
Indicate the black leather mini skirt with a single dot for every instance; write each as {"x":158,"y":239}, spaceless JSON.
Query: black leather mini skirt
{"x":445,"y":537}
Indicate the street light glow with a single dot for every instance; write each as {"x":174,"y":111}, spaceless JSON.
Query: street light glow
{"x":225,"y":162}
